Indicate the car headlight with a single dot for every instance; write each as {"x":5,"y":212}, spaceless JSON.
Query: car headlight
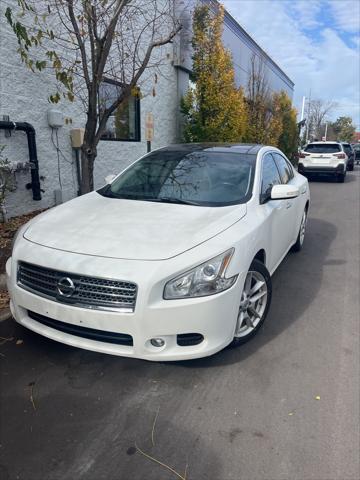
{"x":205,"y":279}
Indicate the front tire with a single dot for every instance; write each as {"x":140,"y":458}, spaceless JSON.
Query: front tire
{"x":254,"y":303}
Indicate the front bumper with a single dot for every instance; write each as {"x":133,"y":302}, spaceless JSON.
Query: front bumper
{"x":321,"y":169}
{"x":212,"y":317}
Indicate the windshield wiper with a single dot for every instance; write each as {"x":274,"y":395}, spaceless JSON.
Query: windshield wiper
{"x":129,"y":196}
{"x":125,"y":196}
{"x":175,"y":200}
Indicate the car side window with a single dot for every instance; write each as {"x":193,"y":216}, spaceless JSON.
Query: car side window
{"x":285,"y":170}
{"x":270,"y":176}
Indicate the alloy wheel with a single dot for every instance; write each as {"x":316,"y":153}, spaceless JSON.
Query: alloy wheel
{"x":252,"y":305}
{"x":303,"y":228}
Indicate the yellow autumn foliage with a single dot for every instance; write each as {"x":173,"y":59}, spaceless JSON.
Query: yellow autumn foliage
{"x":283,"y":125}
{"x":214,"y":108}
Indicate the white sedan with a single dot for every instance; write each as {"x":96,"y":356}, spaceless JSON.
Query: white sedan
{"x":171,"y":260}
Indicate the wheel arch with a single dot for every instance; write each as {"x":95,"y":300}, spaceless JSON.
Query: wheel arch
{"x":261,"y":256}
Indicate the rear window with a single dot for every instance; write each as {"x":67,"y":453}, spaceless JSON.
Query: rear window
{"x":323,"y":148}
{"x":347,"y":148}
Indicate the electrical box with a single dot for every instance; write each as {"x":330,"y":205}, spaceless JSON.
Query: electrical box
{"x":55,"y":118}
{"x":77,"y":137}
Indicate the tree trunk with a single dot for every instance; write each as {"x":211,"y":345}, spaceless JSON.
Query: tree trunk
{"x":88,"y":151}
{"x":88,"y":155}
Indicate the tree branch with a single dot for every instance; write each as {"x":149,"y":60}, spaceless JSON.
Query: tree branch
{"x":80,"y":42}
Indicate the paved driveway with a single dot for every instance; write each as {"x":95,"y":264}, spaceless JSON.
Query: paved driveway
{"x":285,"y":406}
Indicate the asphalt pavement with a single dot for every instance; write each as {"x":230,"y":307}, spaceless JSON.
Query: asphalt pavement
{"x":284,"y":406}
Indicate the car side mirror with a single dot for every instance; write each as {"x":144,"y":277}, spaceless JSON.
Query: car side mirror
{"x":109,"y":178}
{"x":282,"y":192}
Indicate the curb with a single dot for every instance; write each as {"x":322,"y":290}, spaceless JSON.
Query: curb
{"x":5,"y":314}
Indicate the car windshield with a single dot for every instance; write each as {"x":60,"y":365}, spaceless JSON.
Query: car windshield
{"x":206,"y":178}
{"x":323,"y":148}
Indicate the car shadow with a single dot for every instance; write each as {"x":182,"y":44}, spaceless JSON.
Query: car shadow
{"x":330,"y":179}
{"x":293,"y":292}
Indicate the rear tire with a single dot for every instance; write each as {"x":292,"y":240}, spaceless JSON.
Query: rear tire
{"x":351,"y":167}
{"x":341,"y":178}
{"x":254,"y":303}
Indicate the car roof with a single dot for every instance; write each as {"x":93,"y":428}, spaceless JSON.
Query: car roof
{"x":246,"y":148}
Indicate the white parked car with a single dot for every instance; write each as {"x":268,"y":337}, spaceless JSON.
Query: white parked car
{"x":172,"y":260}
{"x":327,"y":158}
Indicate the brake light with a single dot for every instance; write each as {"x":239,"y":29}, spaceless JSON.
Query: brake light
{"x":303,"y":155}
{"x":340,"y":155}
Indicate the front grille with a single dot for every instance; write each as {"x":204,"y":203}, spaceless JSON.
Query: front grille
{"x":77,"y":290}
{"x":84,"y":332}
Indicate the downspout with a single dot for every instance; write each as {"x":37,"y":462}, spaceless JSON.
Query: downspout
{"x":33,"y":160}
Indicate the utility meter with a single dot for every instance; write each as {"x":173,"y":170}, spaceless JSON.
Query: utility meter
{"x":55,"y":118}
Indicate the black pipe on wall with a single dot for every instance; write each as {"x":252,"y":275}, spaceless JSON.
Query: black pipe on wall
{"x":34,"y":163}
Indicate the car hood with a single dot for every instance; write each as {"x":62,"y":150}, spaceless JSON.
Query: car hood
{"x":129,"y":229}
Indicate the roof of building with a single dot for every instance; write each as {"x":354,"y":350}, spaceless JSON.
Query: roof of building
{"x":242,"y":33}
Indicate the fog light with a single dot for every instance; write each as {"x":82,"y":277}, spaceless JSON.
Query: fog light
{"x":157,"y":342}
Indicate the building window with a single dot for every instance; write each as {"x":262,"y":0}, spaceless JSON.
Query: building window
{"x":124,"y":122}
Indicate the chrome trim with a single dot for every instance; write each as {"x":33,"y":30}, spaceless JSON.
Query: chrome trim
{"x":90,"y":306}
{"x":60,"y":285}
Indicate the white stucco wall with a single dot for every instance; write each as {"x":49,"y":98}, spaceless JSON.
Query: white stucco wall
{"x":23,"y":96}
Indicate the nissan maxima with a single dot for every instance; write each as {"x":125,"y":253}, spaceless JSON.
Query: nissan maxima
{"x":171,"y":260}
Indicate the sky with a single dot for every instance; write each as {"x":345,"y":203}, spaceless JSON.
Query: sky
{"x":315,"y":42}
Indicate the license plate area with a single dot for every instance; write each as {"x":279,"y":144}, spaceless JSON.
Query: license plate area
{"x":321,"y":160}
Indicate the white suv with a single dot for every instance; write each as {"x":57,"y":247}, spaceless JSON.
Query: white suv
{"x":324,"y":158}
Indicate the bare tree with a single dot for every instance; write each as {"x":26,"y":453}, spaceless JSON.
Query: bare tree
{"x":258,"y":85}
{"x":258,"y":101}
{"x":319,"y":111}
{"x":83,"y":42}
{"x":263,"y":125}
